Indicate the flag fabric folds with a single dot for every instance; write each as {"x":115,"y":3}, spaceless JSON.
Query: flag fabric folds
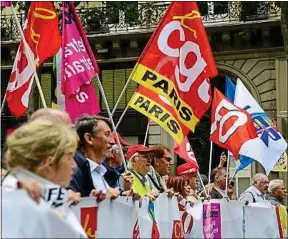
{"x":177,"y":63}
{"x":78,"y":67}
{"x":230,"y":95}
{"x":41,"y":27}
{"x":231,"y":127}
{"x":185,"y":151}
{"x":268,"y":147}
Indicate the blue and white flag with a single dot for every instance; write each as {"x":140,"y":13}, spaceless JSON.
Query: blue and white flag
{"x":270,"y":145}
{"x":230,"y":95}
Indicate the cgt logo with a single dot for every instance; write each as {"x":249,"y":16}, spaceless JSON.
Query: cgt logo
{"x":88,"y":216}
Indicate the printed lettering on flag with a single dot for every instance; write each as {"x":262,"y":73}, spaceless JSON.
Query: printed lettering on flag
{"x":184,"y":150}
{"x":40,"y":27}
{"x":270,"y":144}
{"x":78,"y":67}
{"x":181,"y":48}
{"x":231,"y":126}
{"x":161,"y":112}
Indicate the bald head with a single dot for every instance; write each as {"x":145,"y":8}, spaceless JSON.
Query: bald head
{"x":51,"y":114}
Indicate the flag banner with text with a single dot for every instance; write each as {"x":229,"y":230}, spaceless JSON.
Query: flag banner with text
{"x":159,"y":110}
{"x":40,"y":28}
{"x":78,"y":67}
{"x":269,"y":144}
{"x":177,"y":63}
{"x":231,"y":127}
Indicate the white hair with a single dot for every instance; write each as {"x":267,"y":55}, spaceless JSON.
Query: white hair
{"x":257,"y":178}
{"x":274,"y":184}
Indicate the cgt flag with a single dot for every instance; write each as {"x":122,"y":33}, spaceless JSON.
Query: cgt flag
{"x":177,"y":63}
{"x":40,"y":27}
{"x":231,"y":127}
{"x":160,"y":111}
{"x":270,"y":144}
{"x":78,"y":67}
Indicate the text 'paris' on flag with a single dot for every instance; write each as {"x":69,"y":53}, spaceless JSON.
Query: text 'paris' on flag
{"x":78,"y":67}
{"x":231,"y":127}
{"x":41,"y":32}
{"x":177,"y":63}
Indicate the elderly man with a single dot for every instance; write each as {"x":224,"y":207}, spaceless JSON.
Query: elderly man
{"x":139,"y":166}
{"x":256,"y":192}
{"x":218,"y":176}
{"x":52,"y":114}
{"x":161,"y":166}
{"x":277,"y":192}
{"x":95,"y":142}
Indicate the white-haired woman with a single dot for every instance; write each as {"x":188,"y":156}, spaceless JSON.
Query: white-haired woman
{"x":277,"y":192}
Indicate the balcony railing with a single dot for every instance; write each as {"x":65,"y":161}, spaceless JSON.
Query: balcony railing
{"x":127,"y":17}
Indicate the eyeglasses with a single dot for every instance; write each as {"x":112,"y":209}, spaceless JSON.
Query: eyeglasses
{"x":168,"y":159}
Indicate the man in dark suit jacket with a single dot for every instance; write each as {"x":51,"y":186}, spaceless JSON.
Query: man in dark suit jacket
{"x":218,"y":176}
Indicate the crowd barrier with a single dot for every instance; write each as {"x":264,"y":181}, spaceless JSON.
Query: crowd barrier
{"x":125,"y":218}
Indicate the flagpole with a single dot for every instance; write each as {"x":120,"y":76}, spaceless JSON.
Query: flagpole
{"x":210,"y":168}
{"x":146,"y":134}
{"x":227,"y":171}
{"x":201,"y":181}
{"x":29,"y":58}
{"x":112,"y":121}
{"x":121,"y":94}
{"x":3,"y":103}
{"x":121,"y":117}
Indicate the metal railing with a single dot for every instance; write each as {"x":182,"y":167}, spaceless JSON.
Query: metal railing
{"x":130,"y":17}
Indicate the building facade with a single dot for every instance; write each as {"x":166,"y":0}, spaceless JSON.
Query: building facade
{"x":245,"y":38}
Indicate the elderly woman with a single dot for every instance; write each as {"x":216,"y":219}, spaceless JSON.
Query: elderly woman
{"x":43,"y":148}
{"x":277,"y":192}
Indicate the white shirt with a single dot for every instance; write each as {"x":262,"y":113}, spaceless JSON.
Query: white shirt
{"x":252,"y":194}
{"x":97,"y":174}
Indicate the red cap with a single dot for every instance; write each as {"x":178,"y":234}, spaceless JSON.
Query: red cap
{"x":187,"y":168}
{"x":122,"y":141}
{"x":136,"y":149}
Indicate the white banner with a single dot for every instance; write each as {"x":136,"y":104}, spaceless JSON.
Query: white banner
{"x":125,"y":218}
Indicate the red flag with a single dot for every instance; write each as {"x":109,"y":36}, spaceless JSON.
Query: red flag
{"x":231,"y":126}
{"x":158,"y":109}
{"x":43,"y":39}
{"x":177,"y":63}
{"x":184,"y":150}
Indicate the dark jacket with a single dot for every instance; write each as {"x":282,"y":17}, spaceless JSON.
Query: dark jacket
{"x":214,"y":194}
{"x":112,"y":175}
{"x":273,"y":200}
{"x":81,"y":181}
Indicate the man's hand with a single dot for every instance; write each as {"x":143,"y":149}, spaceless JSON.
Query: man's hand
{"x":100,"y":196}
{"x":223,"y":160}
{"x":112,"y":193}
{"x":127,"y":181}
{"x":132,"y":194}
{"x":74,"y":197}
{"x":33,"y":189}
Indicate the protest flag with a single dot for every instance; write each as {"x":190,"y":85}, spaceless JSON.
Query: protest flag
{"x":268,"y":147}
{"x":185,"y":151}
{"x":231,"y":127}
{"x":78,"y":67}
{"x":40,"y":27}
{"x":160,"y":111}
{"x":163,"y":66}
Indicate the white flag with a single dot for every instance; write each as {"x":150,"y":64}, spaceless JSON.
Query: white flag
{"x":270,"y":145}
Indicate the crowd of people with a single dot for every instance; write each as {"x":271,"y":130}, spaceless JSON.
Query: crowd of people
{"x":85,"y":159}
